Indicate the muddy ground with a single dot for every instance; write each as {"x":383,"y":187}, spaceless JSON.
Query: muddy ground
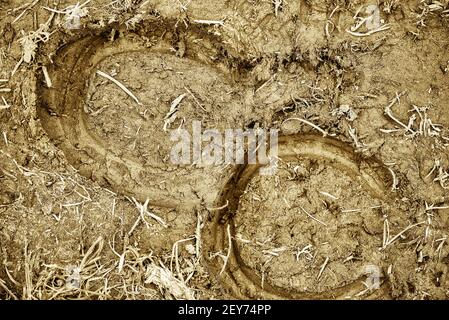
{"x":92,"y":208}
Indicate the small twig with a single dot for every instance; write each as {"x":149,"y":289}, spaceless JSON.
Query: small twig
{"x":2,"y":285}
{"x":210,"y":22}
{"x":394,"y":186}
{"x":175,"y":255}
{"x":312,"y":125}
{"x":312,"y":217}
{"x":323,"y":266}
{"x":199,"y":226}
{"x":386,"y":233}
{"x":144,"y":210}
{"x":389,"y":113}
{"x":351,"y":210}
{"x":16,"y":67}
{"x":266,"y":83}
{"x":306,"y":251}
{"x":118,"y":83}
{"x":390,"y":241}
{"x":368,"y":33}
{"x":5,"y":104}
{"x":47,"y":77}
{"x":170,"y":117}
{"x":219,"y":208}
{"x":328,"y":21}
{"x":27,"y":7}
{"x":353,"y":133}
{"x":228,"y":230}
{"x":432,"y":207}
{"x":195,"y":99}
{"x":275,"y":252}
{"x":328,"y":195}
{"x":389,"y":130}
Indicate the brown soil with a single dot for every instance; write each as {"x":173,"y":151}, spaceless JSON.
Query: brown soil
{"x":91,"y":207}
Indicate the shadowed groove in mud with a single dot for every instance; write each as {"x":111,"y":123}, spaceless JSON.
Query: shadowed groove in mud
{"x":241,"y":279}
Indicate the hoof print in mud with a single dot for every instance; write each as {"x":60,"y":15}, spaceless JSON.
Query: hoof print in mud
{"x":281,"y":210}
{"x":127,"y":146}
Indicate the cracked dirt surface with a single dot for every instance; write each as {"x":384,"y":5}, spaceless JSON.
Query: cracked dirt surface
{"x":80,"y":157}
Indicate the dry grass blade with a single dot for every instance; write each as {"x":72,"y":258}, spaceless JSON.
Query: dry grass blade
{"x":210,"y":22}
{"x":388,"y":241}
{"x":143,"y":208}
{"x":8,"y":291}
{"x":226,"y":258}
{"x":120,"y":85}
{"x":368,"y":33}
{"x":5,"y":104}
{"x":324,"y":133}
{"x":92,"y":255}
{"x":312,"y":217}
{"x":167,"y":282}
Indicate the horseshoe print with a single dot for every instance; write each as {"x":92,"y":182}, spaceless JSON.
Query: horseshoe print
{"x":63,"y":117}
